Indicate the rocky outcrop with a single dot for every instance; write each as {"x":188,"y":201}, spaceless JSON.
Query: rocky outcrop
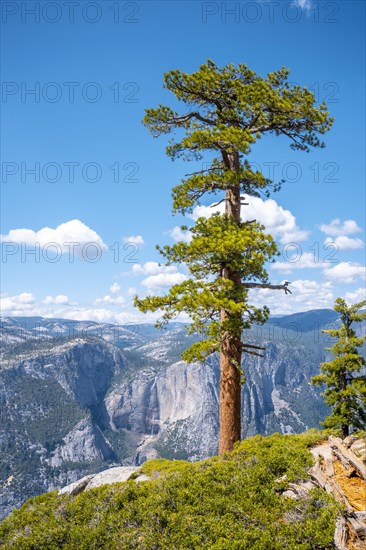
{"x":113,"y":475}
{"x":340,"y":470}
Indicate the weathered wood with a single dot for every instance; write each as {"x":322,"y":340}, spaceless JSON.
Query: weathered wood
{"x":337,"y":444}
{"x":329,"y":486}
{"x":350,"y":530}
{"x":348,"y":442}
{"x":358,"y":527}
{"x":346,"y":463}
{"x":341,"y":534}
{"x":329,"y":467}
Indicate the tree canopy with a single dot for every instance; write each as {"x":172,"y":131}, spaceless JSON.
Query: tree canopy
{"x":228,"y":110}
{"x":345,"y":386}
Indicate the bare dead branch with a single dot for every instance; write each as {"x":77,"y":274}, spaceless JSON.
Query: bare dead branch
{"x":217,"y":203}
{"x":252,"y":346}
{"x":267,"y":285}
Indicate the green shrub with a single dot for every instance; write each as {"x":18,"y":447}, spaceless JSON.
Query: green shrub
{"x":224,"y":503}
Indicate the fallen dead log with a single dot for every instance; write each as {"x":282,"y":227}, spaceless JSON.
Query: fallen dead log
{"x":336,"y":462}
{"x":329,"y":486}
{"x":341,"y":534}
{"x":358,"y":527}
{"x":347,"y":455}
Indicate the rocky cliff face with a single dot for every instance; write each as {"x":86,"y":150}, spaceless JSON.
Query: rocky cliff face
{"x":174,"y":411}
{"x":75,"y":406}
{"x":52,"y":410}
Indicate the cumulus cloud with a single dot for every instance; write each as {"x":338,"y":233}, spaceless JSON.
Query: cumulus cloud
{"x":115,"y":288}
{"x":345,"y":243}
{"x":69,"y":237}
{"x":177,"y":234}
{"x":158,"y":276}
{"x":110,"y":300}
{"x":19,"y":304}
{"x":102,"y":315}
{"x":278,"y":221}
{"x":107,"y":314}
{"x":59,"y":299}
{"x":299,"y":261}
{"x":153,"y":268}
{"x":163,"y":280}
{"x":25,"y":304}
{"x":358,"y":295}
{"x":346,"y":272}
{"x":306,"y":295}
{"x":336,"y":228}
{"x":134,"y":239}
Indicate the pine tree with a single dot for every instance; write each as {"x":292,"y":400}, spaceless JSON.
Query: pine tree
{"x":346,"y":388}
{"x":230,"y":108}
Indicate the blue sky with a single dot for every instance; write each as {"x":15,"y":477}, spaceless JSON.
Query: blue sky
{"x":99,"y":179}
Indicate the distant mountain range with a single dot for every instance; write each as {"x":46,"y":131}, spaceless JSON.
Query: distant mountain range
{"x":79,"y":396}
{"x":304,"y":321}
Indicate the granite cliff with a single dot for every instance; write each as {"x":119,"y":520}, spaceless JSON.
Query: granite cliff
{"x":78,"y":404}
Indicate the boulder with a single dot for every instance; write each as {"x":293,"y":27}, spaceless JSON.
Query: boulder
{"x":76,"y":487}
{"x":112,"y":475}
{"x":119,"y":474}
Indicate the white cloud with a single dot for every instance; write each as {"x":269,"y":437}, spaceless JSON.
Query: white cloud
{"x":346,"y":272}
{"x":105,"y":314}
{"x":278,"y":221}
{"x":131,"y":291}
{"x":337,"y":228}
{"x":158,"y":276}
{"x":345,"y":243}
{"x":110,"y":300}
{"x":59,"y":299}
{"x":19,"y":304}
{"x":357,"y":295}
{"x":134,"y":239}
{"x":163,"y":280}
{"x":306,"y":295}
{"x":70,"y":237}
{"x":153,"y":268}
{"x":101,"y":315}
{"x":299,"y":261}
{"x":115,"y":288}
{"x":177,"y":234}
{"x":24,"y":304}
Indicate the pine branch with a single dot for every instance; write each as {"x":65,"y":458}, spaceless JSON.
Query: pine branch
{"x":185,"y":118}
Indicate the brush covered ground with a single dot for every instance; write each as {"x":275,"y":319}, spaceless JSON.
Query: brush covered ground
{"x":223,"y":503}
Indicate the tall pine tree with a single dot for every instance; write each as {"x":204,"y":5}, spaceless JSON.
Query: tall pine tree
{"x":346,"y":387}
{"x":229,"y":109}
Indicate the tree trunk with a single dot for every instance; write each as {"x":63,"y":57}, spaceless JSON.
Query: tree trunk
{"x":344,"y":427}
{"x":230,"y":391}
{"x":230,"y":351}
{"x":345,"y":431}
